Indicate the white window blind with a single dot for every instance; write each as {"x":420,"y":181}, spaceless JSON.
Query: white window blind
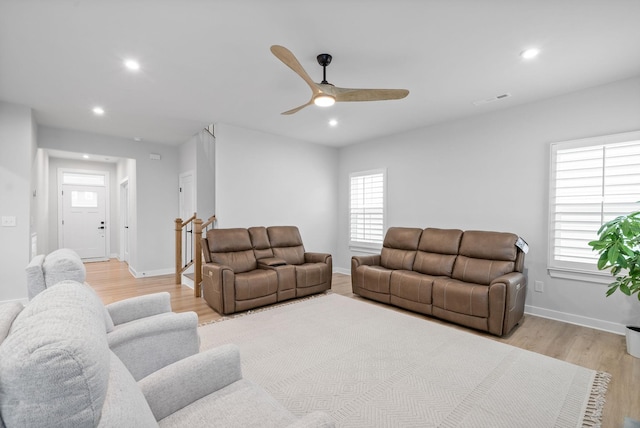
{"x":592,"y":181}
{"x":366,"y":208}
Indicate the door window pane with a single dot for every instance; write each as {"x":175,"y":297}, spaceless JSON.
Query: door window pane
{"x":84,"y":199}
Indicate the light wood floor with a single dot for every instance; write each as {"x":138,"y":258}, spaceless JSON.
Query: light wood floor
{"x":583,"y":346}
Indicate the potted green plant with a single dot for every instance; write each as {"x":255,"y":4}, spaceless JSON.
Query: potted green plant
{"x":619,"y":247}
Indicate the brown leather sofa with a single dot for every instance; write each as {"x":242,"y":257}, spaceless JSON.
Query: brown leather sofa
{"x":471,"y":278}
{"x":249,"y":268}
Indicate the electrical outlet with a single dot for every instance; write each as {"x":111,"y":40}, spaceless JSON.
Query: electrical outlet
{"x":538,"y":286}
{"x":8,"y":221}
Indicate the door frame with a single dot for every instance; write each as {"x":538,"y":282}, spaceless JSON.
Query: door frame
{"x":124,"y":220}
{"x":107,"y":205}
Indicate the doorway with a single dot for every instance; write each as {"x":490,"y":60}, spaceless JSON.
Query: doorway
{"x":84,"y":213}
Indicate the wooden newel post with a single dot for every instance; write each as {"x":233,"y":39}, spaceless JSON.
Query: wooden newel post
{"x":178,"y":251}
{"x":197,"y":257}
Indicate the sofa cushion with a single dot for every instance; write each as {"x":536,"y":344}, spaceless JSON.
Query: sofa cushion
{"x":35,"y":277}
{"x":8,"y":313}
{"x":412,"y":286}
{"x":489,"y":245}
{"x":260,"y":242}
{"x":55,"y":361}
{"x":256,"y":283}
{"x":286,"y":243}
{"x":63,"y":264}
{"x":399,"y":247}
{"x":461,"y":297}
{"x":312,"y":274}
{"x":437,"y":251}
{"x":233,"y":248}
{"x":484,"y":256}
{"x":480,"y":271}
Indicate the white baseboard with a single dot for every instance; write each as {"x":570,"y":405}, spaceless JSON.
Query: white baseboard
{"x":597,"y":324}
{"x":147,"y":273}
{"x":342,"y":271}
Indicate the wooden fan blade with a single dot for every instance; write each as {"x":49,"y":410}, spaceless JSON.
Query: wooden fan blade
{"x":285,"y":55}
{"x":297,"y":109}
{"x":347,"y":94}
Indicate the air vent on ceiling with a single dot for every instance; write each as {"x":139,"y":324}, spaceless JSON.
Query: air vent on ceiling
{"x":492,"y":99}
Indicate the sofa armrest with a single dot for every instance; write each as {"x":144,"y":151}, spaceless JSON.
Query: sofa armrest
{"x":139,"y":307}
{"x":512,"y":289}
{"x":316,"y":257}
{"x":315,"y":419}
{"x":194,"y":377}
{"x":372,"y":260}
{"x":151,"y":343}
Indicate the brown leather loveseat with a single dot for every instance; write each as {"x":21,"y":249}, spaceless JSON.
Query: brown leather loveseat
{"x":258,"y":266}
{"x":471,"y":278}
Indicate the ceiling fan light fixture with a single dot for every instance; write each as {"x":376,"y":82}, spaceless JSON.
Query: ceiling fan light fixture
{"x":324,"y":100}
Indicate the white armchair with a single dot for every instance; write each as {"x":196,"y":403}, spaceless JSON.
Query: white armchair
{"x":142,"y":331}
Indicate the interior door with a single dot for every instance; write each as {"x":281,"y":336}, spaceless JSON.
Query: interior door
{"x":84,"y":220}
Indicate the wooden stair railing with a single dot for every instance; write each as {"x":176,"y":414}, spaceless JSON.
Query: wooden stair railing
{"x":190,"y":253}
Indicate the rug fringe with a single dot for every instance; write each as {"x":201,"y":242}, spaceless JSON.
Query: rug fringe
{"x":595,"y":404}
{"x":266,"y":308}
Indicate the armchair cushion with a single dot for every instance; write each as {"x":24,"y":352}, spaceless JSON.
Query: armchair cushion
{"x":153,"y":342}
{"x":63,"y":264}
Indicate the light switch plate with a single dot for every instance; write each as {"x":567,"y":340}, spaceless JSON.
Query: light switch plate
{"x":8,"y":221}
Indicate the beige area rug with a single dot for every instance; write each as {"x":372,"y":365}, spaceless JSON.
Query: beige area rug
{"x":370,"y":366}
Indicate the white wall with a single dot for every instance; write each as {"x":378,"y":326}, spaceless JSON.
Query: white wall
{"x":198,"y":156}
{"x":154,"y":188}
{"x":265,"y":180}
{"x":490,"y":172}
{"x":17,"y":154}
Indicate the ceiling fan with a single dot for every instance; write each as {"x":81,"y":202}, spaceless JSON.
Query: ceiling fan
{"x":324,"y":93}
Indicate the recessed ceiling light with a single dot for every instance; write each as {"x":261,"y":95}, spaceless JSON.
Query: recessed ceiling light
{"x":333,"y":122}
{"x":85,"y":156}
{"x":530,"y":53}
{"x":99,"y":111}
{"x":137,"y":139}
{"x":132,"y":64}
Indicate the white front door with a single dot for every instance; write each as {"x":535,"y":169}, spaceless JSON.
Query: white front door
{"x":84,"y":221}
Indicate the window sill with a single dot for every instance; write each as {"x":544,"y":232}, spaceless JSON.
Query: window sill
{"x":581,"y":275}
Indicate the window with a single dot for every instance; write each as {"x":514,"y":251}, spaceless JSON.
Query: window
{"x":592,"y":181}
{"x":366,"y":209}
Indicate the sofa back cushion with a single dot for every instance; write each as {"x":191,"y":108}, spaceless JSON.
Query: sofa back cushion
{"x":54,"y":364}
{"x":260,"y":240}
{"x":437,"y":251}
{"x":62,"y":265}
{"x":399,"y":247}
{"x":286,"y":243}
{"x":484,"y":256}
{"x":233,"y":248}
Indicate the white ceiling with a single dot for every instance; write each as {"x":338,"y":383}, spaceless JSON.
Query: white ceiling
{"x":209,"y":61}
